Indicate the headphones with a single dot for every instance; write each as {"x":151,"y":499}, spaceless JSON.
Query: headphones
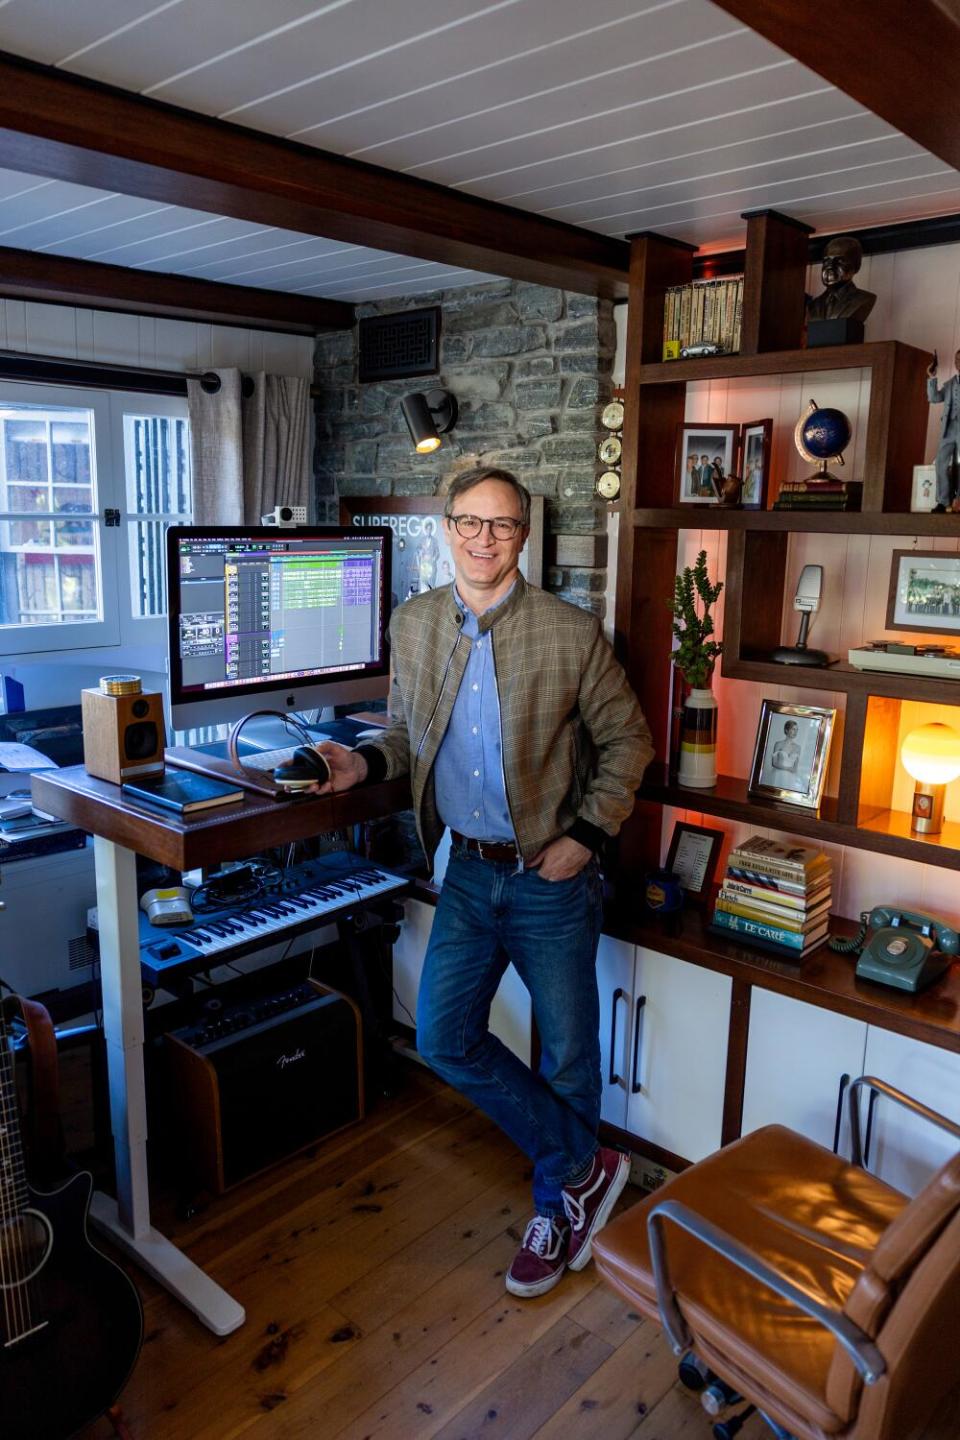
{"x":306,"y":767}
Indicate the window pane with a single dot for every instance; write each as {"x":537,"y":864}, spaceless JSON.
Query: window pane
{"x":49,"y":569}
{"x":157,"y":458}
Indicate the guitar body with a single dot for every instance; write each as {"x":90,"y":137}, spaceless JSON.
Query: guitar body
{"x":71,"y":1327}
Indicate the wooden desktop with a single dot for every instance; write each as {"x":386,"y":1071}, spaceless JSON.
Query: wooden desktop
{"x":121,"y":830}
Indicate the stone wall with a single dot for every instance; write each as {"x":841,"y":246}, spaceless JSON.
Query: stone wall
{"x":531,"y":369}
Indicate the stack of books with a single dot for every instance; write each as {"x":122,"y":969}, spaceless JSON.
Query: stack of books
{"x":704,"y":312}
{"x":776,"y":895}
{"x":819,"y":495}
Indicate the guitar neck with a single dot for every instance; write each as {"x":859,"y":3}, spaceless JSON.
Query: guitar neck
{"x":13,"y":1179}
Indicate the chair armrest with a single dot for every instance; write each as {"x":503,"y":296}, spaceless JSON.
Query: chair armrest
{"x":899,"y":1098}
{"x":861,"y":1349}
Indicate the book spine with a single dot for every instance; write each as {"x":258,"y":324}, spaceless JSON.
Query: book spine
{"x":739,"y":925}
{"x":764,"y":915}
{"x":738,"y":315}
{"x":794,"y":899}
{"x":686,"y":303}
{"x":759,"y":868}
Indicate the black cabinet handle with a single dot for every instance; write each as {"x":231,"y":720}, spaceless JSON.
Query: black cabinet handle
{"x":844,"y":1082}
{"x":870,"y":1109}
{"x":618,"y":995}
{"x":635,"y":1086}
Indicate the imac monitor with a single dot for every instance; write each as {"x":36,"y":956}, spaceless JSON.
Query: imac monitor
{"x":261,"y":618}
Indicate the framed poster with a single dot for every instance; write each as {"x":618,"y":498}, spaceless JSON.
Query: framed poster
{"x":421,"y":556}
{"x":706,"y":454}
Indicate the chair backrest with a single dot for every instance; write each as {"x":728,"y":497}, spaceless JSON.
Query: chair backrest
{"x":908,"y":1300}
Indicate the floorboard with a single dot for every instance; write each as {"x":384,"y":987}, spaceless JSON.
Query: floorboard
{"x":372,"y":1275}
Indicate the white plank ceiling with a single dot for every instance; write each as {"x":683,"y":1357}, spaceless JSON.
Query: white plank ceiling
{"x":616,"y":115}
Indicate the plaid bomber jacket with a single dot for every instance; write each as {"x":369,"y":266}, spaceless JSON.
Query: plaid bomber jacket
{"x":575,"y":742}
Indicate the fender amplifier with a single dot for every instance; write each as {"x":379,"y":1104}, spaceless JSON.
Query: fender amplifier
{"x":260,"y":1080}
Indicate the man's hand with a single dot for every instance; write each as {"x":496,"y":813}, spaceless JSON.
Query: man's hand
{"x":932,"y":367}
{"x":347,"y":769}
{"x":561,"y":859}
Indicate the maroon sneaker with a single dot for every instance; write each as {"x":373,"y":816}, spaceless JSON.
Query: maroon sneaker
{"x":588,"y":1205}
{"x":541,"y":1259}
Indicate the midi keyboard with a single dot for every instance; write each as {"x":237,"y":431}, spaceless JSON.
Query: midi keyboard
{"x":303,"y":897}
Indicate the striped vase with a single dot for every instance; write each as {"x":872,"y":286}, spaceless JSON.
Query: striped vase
{"x":698,"y":740}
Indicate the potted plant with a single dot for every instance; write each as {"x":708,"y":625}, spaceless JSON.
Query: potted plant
{"x":695,"y":657}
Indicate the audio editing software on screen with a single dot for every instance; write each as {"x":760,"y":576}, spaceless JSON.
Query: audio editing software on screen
{"x":287,"y":608}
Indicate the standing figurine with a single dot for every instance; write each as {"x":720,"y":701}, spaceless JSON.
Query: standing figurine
{"x":840,"y":298}
{"x":946,"y":457}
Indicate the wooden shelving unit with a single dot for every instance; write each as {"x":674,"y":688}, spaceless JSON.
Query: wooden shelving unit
{"x":757,"y":541}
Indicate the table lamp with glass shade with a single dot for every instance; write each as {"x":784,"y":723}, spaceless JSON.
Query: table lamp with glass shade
{"x":931,"y":755}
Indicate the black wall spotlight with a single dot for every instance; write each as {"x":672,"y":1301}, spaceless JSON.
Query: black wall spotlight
{"x":429,"y":416}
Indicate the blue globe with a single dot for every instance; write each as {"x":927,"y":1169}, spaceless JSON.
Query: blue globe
{"x":826,"y":433}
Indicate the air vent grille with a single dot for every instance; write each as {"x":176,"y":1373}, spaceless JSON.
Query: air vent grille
{"x":393,"y":347}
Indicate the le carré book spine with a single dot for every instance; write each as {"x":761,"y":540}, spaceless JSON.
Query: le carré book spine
{"x":773,"y":934}
{"x":182,"y":793}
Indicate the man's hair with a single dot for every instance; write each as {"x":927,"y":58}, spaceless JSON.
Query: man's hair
{"x":468,"y":479}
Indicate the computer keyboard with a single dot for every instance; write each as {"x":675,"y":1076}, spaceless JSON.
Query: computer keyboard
{"x":268,"y":759}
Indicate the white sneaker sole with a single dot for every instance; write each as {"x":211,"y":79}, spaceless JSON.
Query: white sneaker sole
{"x":535,"y":1287}
{"x":600,"y":1219}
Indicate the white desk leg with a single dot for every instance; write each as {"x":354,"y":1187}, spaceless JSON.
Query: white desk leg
{"x":127,"y":1220}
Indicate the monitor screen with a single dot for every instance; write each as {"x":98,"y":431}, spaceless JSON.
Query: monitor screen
{"x":264,"y":618}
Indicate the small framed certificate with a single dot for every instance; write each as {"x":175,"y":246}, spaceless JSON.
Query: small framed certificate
{"x":693,"y":856}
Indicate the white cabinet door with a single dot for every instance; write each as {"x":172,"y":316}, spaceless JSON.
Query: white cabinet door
{"x":511,"y":1015}
{"x":797,"y":1058}
{"x":679,"y":1028}
{"x":615,"y":982}
{"x":905,"y":1150}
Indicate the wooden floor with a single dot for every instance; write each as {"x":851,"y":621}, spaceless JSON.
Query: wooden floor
{"x":372,"y":1276}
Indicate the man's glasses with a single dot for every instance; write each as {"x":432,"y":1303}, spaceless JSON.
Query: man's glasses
{"x":469,"y":526}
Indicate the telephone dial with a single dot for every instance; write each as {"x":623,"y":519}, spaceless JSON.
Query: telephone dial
{"x":904,"y":949}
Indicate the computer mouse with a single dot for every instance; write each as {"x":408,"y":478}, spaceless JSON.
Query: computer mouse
{"x":304,"y":768}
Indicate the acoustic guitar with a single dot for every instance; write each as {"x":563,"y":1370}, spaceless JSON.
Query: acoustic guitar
{"x":71,"y":1322}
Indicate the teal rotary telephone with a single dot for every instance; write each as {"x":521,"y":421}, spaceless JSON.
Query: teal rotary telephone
{"x":906,"y":950}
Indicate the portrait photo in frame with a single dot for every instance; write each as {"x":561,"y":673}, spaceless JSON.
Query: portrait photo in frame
{"x":700,"y":448}
{"x":756,"y":440}
{"x":693,"y":856}
{"x":791,"y":752}
{"x":924,"y":592}
{"x":421,"y":558}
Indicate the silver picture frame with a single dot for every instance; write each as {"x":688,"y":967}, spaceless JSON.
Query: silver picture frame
{"x":791,"y":753}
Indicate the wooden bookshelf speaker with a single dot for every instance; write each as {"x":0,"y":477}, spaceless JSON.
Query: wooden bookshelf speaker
{"x":123,"y":730}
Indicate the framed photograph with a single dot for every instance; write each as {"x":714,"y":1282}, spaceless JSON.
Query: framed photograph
{"x":756,"y":440}
{"x":924,"y":592}
{"x":700,"y":450}
{"x":693,"y":855}
{"x":421,"y":558}
{"x":791,"y":752}
{"x":923,"y":496}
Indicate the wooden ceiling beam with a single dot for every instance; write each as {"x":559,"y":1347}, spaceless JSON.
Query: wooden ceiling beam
{"x":57,"y":280}
{"x":898,"y":59}
{"x":69,"y":128}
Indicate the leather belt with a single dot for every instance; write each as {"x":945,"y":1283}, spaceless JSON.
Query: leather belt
{"x":503,"y":852}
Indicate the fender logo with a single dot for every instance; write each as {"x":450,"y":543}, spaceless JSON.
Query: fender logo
{"x":283,"y":1060}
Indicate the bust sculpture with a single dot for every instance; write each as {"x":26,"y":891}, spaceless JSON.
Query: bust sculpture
{"x":840,"y":298}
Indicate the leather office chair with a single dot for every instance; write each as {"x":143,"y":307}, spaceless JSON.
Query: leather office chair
{"x":822,"y":1295}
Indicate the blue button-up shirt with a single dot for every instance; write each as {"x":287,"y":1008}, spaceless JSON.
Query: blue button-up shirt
{"x":468,"y":771}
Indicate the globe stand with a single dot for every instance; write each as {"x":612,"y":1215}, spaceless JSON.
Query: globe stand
{"x":823,"y":475}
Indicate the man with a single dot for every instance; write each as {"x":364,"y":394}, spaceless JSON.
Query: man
{"x":520,"y":733}
{"x":706,"y":476}
{"x":840,"y":298}
{"x":945,"y":462}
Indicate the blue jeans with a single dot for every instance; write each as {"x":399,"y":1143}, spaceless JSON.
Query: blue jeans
{"x":488,"y":915}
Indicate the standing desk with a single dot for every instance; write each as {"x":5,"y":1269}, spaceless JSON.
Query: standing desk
{"x":121,"y":830}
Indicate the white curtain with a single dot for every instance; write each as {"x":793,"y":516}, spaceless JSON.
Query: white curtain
{"x":249,"y":453}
